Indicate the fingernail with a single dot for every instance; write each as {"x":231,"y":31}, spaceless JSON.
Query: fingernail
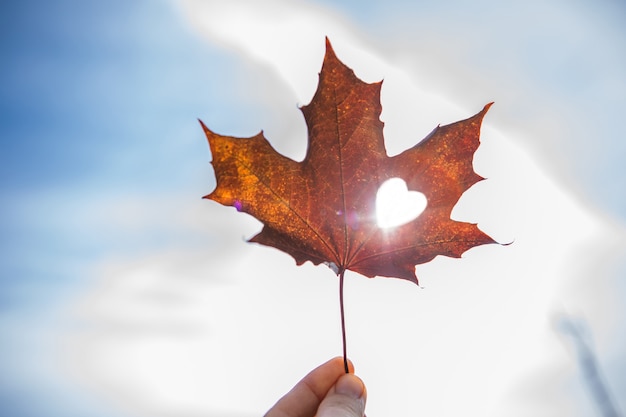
{"x":350,"y":385}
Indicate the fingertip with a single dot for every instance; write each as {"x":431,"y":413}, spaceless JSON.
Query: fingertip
{"x":351,"y":385}
{"x":338,"y":362}
{"x":347,"y":398}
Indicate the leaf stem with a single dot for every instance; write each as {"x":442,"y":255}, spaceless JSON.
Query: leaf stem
{"x":343,"y":320}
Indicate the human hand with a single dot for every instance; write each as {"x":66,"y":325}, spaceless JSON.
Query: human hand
{"x":327,"y":391}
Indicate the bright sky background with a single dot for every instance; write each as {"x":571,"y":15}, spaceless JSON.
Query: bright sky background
{"x":122,"y":293}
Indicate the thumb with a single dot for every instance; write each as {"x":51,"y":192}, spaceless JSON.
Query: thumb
{"x":345,"y":399}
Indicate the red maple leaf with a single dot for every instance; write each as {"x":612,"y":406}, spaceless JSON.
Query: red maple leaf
{"x":323,"y":209}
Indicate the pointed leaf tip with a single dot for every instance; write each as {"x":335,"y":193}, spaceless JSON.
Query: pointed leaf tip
{"x":204,"y":127}
{"x":328,"y":45}
{"x":330,"y":52}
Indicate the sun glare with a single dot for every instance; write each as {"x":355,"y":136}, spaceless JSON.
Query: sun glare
{"x":396,"y":205}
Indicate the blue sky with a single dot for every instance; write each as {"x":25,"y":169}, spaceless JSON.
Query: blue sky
{"x":111,"y":262}
{"x":87,"y":88}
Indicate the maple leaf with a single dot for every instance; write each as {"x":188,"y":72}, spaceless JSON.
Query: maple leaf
{"x":323,"y":209}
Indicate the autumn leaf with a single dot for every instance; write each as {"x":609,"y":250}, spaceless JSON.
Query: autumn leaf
{"x":323,"y":209}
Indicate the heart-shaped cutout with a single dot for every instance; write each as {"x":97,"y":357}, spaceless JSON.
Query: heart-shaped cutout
{"x":396,"y":205}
